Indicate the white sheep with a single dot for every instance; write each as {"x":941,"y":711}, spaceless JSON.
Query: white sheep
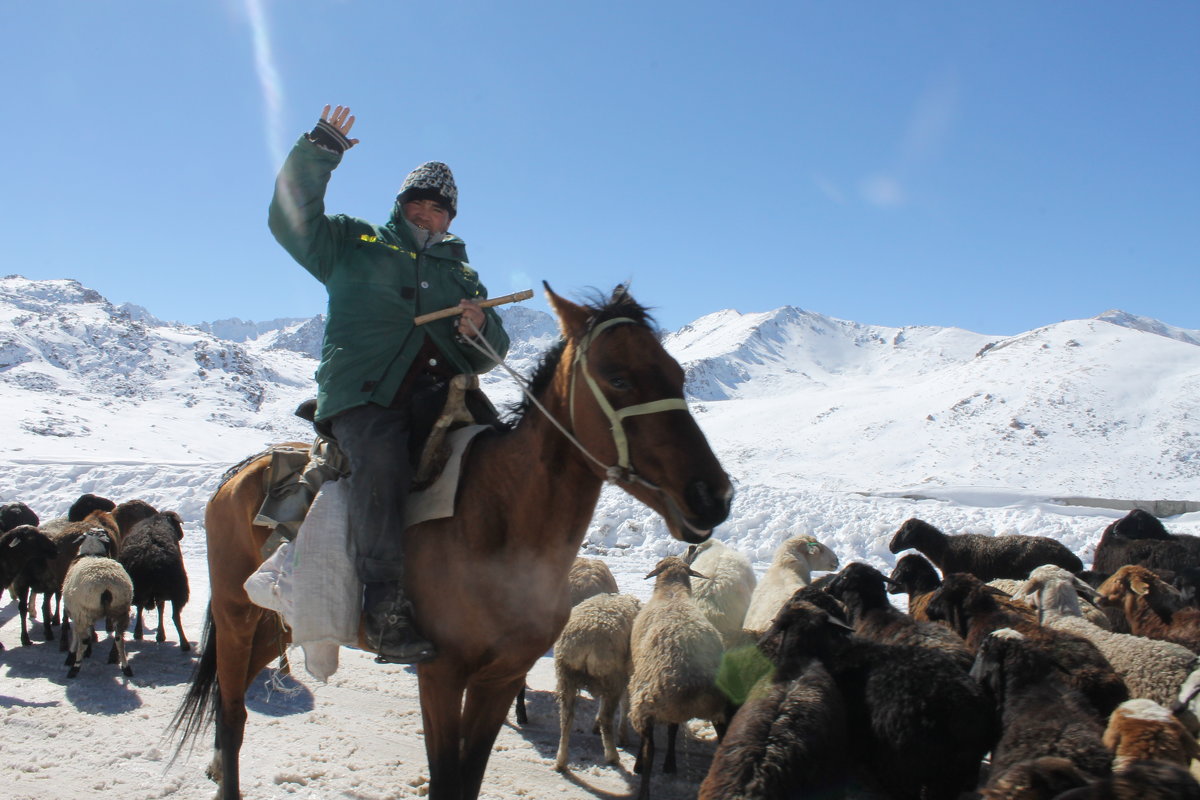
{"x":676,"y":655}
{"x":1151,"y":668}
{"x":593,"y":653}
{"x":96,"y":587}
{"x":1013,"y":588}
{"x":588,"y":577}
{"x":724,"y":595}
{"x":792,"y":569}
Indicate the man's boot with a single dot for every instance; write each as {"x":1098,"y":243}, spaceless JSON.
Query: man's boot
{"x":389,"y":625}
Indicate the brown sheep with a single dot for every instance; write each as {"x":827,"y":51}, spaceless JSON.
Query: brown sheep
{"x":1142,"y":730}
{"x":588,"y":577}
{"x":1152,"y":607}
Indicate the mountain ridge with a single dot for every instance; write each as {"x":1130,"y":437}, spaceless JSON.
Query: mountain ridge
{"x":1102,"y":407}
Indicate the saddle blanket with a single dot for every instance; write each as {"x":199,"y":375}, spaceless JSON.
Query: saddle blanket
{"x":312,"y":582}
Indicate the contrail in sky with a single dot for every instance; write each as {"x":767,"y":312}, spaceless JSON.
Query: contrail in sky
{"x":268,"y":79}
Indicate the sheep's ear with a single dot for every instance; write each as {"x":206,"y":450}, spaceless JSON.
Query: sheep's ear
{"x":836,"y":623}
{"x":654,"y":572}
{"x":1139,"y":586}
{"x":1039,"y":605}
{"x":1086,"y":589}
{"x":813,"y":548}
{"x":892,"y":582}
{"x":691,"y":554}
{"x":695,"y":574}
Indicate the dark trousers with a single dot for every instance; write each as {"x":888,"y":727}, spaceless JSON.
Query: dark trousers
{"x":375,"y":440}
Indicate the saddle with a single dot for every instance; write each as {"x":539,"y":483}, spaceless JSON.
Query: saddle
{"x":296,"y":474}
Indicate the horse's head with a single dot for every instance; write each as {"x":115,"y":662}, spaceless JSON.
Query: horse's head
{"x":625,"y":406}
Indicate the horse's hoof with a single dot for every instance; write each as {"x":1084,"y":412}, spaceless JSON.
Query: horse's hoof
{"x":128,"y":670}
{"x":185,"y":646}
{"x":72,"y":672}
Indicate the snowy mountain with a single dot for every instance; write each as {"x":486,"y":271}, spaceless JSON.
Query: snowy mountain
{"x":1069,"y":408}
{"x":806,"y":412}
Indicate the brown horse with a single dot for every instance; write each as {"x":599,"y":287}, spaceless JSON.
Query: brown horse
{"x":489,"y":585}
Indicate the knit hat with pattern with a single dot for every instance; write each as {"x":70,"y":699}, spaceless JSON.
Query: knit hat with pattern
{"x":431,"y":181}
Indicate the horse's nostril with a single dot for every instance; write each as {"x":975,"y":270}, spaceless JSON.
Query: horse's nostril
{"x":709,"y":509}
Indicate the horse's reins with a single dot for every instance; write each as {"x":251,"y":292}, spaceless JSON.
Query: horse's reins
{"x":622,"y":471}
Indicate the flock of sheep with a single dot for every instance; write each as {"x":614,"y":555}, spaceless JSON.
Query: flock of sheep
{"x":98,"y":563}
{"x":1014,"y":674}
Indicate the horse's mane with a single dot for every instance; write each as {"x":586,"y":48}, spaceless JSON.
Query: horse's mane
{"x":602,"y":308}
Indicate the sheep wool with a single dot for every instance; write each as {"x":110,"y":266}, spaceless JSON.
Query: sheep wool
{"x":96,"y":588}
{"x":1151,"y":668}
{"x":593,"y":654}
{"x":724,"y":592}
{"x":791,"y":569}
{"x":676,"y":654}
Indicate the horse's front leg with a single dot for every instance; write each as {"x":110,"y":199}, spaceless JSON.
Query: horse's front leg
{"x":484,"y":712}
{"x":442,"y":685}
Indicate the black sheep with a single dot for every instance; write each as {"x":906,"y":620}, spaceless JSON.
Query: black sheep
{"x":1187,"y":581}
{"x":860,"y":588}
{"x":1040,"y":715}
{"x":86,"y":504}
{"x":985,"y":557}
{"x":974,"y":610}
{"x":913,"y":575}
{"x":1140,"y":538}
{"x":14,"y":514}
{"x":23,"y":547}
{"x":919,"y":725}
{"x":788,"y":740}
{"x":916,"y":577}
{"x":151,"y":556}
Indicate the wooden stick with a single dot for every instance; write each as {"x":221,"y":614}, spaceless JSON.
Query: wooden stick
{"x":454,"y":311}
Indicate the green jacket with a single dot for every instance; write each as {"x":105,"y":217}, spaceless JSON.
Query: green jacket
{"x":377,"y":284}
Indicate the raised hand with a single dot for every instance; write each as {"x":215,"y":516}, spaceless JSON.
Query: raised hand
{"x":341,"y":120}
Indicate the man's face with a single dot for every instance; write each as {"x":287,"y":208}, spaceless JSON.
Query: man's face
{"x":428,"y":214}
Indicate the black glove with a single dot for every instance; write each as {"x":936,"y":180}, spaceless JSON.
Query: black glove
{"x":329,"y":137}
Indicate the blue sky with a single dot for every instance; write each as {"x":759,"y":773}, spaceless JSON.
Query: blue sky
{"x":991,"y":166}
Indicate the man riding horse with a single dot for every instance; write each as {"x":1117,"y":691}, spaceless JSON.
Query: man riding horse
{"x":374,"y":360}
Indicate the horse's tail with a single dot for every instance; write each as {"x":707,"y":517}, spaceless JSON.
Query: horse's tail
{"x":203,"y":698}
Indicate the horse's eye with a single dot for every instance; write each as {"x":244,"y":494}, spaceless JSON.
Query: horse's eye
{"x":619,"y":383}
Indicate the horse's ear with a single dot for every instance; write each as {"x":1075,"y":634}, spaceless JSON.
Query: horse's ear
{"x":572,"y":318}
